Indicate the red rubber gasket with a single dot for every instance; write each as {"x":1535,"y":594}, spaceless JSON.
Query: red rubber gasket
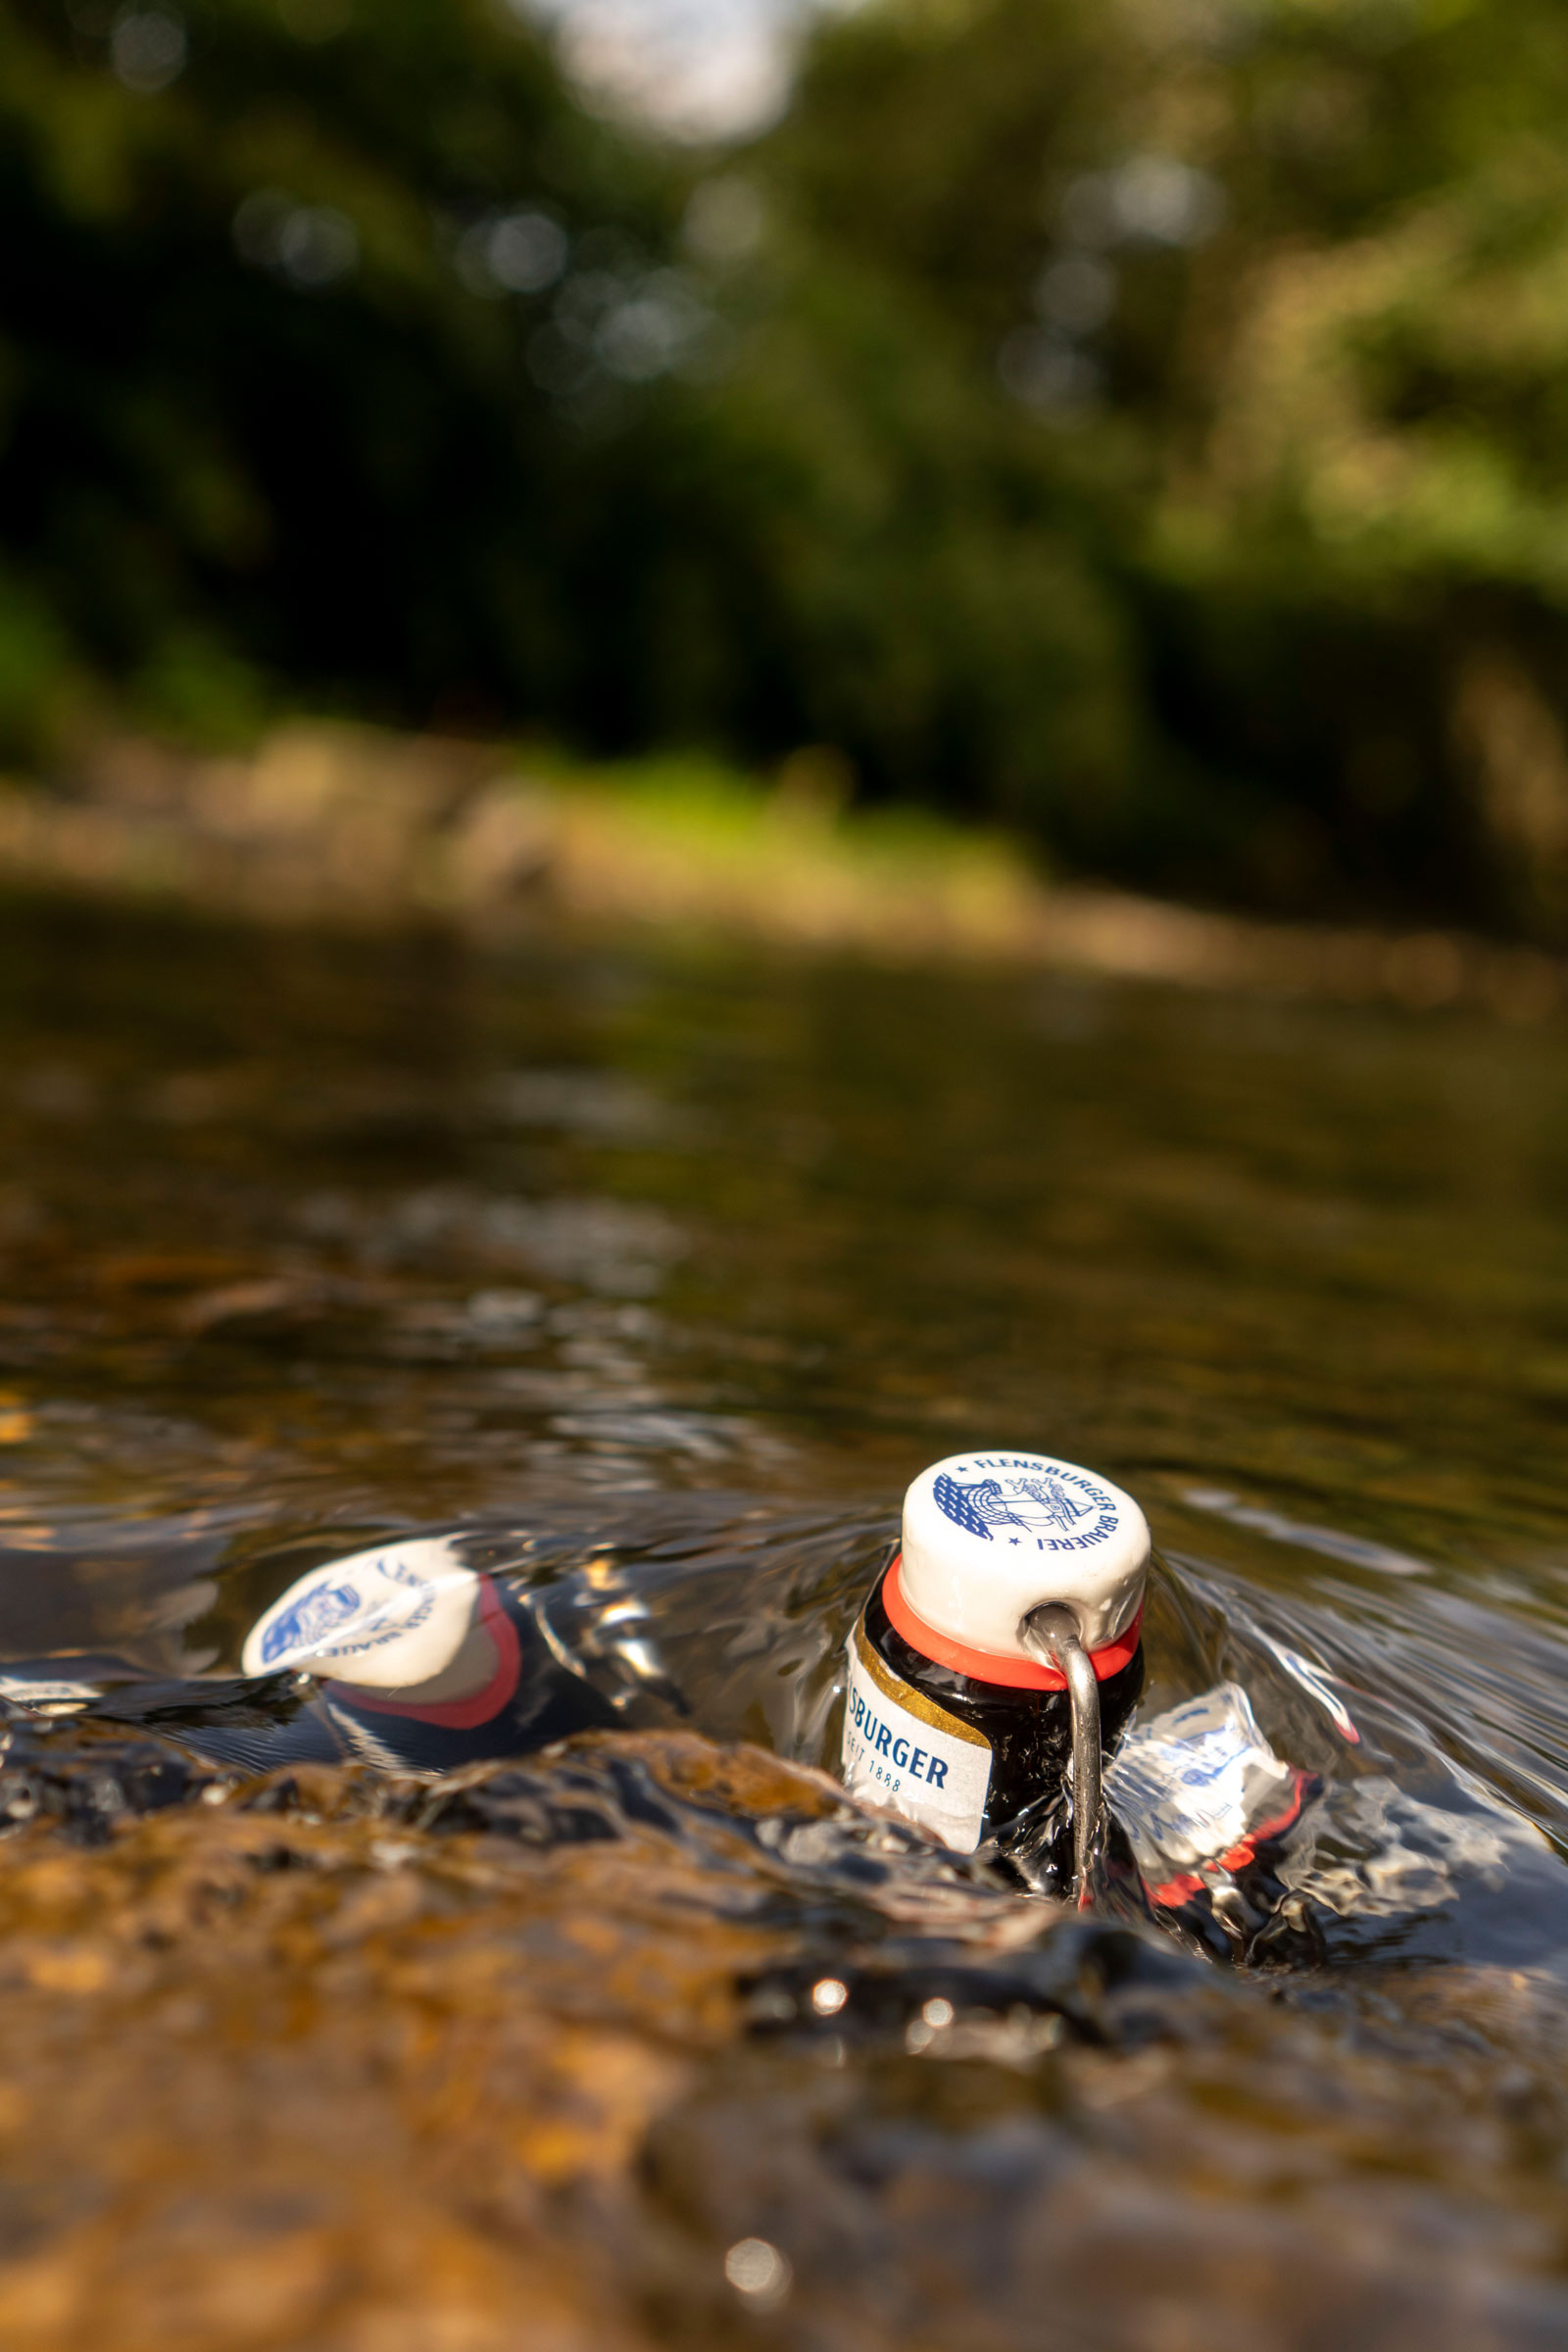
{"x":1182,"y":1888}
{"x":988,"y":1666}
{"x":456,"y":1714}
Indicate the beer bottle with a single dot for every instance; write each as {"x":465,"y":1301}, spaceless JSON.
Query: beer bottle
{"x":1007,"y":1622}
{"x":422,"y":1662}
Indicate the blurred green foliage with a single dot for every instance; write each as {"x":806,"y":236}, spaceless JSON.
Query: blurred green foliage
{"x":1145,"y":425}
{"x":1281,"y":285}
{"x":266,"y":435}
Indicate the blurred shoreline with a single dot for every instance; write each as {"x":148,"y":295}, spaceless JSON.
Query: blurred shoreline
{"x":348,"y":826}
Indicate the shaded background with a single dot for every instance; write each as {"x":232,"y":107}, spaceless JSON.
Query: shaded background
{"x":1145,"y":425}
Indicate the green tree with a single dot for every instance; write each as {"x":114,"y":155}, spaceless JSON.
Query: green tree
{"x":1282,"y":283}
{"x":1145,"y":424}
{"x":287,"y":401}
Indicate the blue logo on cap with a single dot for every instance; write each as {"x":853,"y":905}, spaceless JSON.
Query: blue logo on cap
{"x":314,"y":1616}
{"x":1051,"y":1506}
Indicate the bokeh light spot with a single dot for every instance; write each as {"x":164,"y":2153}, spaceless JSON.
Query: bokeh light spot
{"x":758,"y":2272}
{"x":147,"y":49}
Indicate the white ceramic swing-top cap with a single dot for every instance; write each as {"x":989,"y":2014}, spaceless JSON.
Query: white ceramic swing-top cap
{"x":989,"y":1536}
{"x":404,"y":1617}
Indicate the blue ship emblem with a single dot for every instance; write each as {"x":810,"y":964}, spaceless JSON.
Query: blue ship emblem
{"x":968,"y":1506}
{"x":1055,"y":1501}
{"x":1035,"y":1504}
{"x":314,"y":1616}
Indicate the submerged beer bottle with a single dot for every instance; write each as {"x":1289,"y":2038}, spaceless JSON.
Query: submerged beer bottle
{"x":959,"y":1713}
{"x":422,"y":1662}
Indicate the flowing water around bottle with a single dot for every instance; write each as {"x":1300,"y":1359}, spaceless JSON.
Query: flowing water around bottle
{"x":656,"y":1272}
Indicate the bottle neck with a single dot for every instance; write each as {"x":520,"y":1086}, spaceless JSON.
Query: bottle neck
{"x":990,"y":1666}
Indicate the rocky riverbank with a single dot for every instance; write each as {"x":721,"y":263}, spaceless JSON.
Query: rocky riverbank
{"x":329,"y":824}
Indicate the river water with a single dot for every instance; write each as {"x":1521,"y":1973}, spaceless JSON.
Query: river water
{"x":657,"y":1271}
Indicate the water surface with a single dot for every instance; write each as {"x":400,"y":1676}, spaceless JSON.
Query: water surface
{"x":660,"y":1270}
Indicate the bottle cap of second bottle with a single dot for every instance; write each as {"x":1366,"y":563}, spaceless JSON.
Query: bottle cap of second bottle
{"x":988,"y":1536}
{"x":405,"y":1618}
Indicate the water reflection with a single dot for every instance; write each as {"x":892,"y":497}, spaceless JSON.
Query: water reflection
{"x":644,"y":1280}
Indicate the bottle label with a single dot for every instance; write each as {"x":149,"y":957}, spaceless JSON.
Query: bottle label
{"x":903,"y":1751}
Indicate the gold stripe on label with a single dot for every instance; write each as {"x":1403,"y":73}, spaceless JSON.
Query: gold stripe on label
{"x":913,"y":1703}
